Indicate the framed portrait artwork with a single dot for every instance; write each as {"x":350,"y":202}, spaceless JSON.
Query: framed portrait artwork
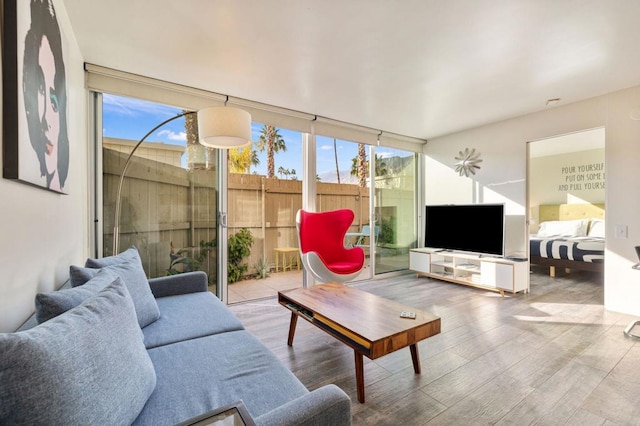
{"x":35,"y":147}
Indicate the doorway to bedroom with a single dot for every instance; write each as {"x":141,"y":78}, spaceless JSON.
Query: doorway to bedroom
{"x":566,"y":201}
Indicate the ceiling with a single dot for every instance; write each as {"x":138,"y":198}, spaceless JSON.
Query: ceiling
{"x":421,"y":68}
{"x":569,"y":143}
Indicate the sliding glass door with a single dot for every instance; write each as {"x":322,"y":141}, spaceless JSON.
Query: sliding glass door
{"x":176,"y":194}
{"x":396,"y":208}
{"x":264,"y":192}
{"x":169,"y":197}
{"x":343,"y":182}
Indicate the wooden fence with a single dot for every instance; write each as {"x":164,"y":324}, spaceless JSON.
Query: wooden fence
{"x":166,"y":208}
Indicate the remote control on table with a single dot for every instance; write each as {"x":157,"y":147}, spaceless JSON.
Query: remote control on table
{"x":409,"y":315}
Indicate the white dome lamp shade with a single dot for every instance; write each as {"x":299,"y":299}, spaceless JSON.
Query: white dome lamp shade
{"x":224,"y":127}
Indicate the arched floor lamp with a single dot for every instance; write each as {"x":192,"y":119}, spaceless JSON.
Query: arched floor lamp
{"x":218,"y":127}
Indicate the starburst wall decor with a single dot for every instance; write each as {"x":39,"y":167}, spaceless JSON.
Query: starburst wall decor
{"x":468,"y":162}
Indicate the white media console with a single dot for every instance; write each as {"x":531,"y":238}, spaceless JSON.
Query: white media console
{"x":485,"y":272}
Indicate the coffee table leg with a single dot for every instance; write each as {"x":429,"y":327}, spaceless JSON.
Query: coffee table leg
{"x":292,"y":328}
{"x":359,"y":376}
{"x":415,"y":357}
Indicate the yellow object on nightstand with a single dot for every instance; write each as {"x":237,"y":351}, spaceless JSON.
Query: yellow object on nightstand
{"x":287,"y":254}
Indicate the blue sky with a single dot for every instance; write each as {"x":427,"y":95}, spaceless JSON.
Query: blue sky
{"x":129,"y":118}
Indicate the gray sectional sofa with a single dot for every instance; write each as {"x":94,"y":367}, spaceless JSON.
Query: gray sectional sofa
{"x":104,"y":354}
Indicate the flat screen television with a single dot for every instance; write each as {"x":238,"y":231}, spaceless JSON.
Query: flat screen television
{"x":475,"y":228}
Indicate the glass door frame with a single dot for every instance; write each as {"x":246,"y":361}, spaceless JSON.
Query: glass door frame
{"x":222,"y":284}
{"x":373,"y":216}
{"x":418,"y":202}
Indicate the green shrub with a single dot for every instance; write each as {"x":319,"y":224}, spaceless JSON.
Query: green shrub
{"x":387,"y":234}
{"x":239,"y":247}
{"x":181,"y":261}
{"x":262,"y":267}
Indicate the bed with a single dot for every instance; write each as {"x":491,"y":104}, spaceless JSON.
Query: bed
{"x":570,"y":236}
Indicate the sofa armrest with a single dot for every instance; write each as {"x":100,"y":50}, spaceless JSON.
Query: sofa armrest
{"x":172,"y":285}
{"x":327,"y":405}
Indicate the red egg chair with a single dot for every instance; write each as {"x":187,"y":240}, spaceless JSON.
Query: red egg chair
{"x":321,"y":241}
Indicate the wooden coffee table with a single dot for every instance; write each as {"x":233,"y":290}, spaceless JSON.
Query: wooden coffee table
{"x":369,"y":324}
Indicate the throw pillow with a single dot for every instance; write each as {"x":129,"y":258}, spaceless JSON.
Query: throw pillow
{"x":50,"y":305}
{"x":597,"y":228}
{"x":129,"y":254}
{"x":563,"y":228}
{"x":136,"y":281}
{"x":88,"y":366}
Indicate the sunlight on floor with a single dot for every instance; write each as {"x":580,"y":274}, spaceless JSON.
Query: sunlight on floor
{"x":566,"y":313}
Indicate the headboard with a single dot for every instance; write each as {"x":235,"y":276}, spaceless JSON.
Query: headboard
{"x":548,"y":212}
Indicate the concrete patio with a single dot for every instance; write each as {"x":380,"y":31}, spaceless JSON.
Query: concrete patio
{"x":252,"y":289}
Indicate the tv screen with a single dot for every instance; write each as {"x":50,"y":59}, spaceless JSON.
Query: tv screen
{"x":477,"y":228}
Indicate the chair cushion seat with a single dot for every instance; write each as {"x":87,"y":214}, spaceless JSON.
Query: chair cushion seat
{"x":344,"y":267}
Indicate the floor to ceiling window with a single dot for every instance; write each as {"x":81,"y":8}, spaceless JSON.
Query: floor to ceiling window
{"x":395,"y":208}
{"x":342,"y":182}
{"x":265,"y":192}
{"x":168,"y":202}
{"x":186,"y":207}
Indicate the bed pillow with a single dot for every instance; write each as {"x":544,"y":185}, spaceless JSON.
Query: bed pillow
{"x":127,"y":255}
{"x":596,"y":228}
{"x":136,"y":281}
{"x":563,"y":228}
{"x":88,"y":366}
{"x":51,"y":304}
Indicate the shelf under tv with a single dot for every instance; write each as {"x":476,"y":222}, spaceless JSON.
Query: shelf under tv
{"x":483,"y":272}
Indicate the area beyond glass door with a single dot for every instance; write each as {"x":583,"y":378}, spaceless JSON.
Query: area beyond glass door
{"x":264,"y":194}
{"x":343,"y":182}
{"x":169,"y":199}
{"x":395,"y":206}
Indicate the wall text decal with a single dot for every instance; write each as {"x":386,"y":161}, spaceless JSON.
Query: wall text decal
{"x":582,"y":177}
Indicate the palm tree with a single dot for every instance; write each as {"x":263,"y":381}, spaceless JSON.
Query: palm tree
{"x":271,"y":141}
{"x":381,"y":167}
{"x":360,"y":167}
{"x":255,"y":160}
{"x":191,"y":127}
{"x":335,"y":153}
{"x":239,"y":160}
{"x":287,"y":173}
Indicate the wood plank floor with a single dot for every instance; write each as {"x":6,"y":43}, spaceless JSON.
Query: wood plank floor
{"x":550,"y":357}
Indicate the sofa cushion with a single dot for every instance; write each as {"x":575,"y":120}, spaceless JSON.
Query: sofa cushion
{"x":223,"y":368}
{"x":188,"y":316}
{"x":134,"y":278}
{"x":87,"y":366}
{"x":51,"y":304}
{"x":129,"y":254}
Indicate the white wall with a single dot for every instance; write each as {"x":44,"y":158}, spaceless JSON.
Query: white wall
{"x":503,"y":173}
{"x":565,"y":179}
{"x":578,"y":177}
{"x":44,"y":232}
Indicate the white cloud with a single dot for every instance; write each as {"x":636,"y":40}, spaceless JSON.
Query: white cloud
{"x":173,"y":136}
{"x":326,"y":147}
{"x":131,"y":106}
